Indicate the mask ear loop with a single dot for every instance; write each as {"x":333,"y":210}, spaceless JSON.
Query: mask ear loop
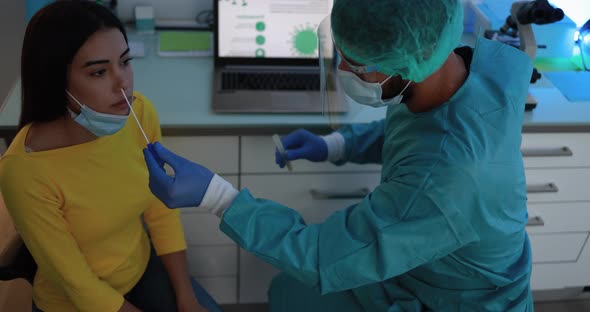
{"x":404,"y":89}
{"x":73,"y":98}
{"x":384,"y":81}
{"x":73,"y":114}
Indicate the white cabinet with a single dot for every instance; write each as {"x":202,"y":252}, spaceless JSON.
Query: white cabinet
{"x":557,"y":167}
{"x":218,"y":153}
{"x":212,"y":256}
{"x":557,"y":150}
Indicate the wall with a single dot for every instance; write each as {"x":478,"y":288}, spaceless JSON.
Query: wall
{"x":12,"y":29}
{"x":178,"y":9}
{"x":165,"y":9}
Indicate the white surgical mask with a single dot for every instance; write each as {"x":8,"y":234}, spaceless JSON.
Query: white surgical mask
{"x":100,"y":124}
{"x":367,"y":93}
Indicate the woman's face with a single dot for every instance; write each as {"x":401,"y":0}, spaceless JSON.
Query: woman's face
{"x":99,"y":70}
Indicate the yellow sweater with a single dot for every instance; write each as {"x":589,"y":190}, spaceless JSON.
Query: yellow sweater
{"x":79,"y":210}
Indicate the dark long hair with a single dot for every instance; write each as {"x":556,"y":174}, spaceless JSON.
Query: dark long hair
{"x":53,"y":36}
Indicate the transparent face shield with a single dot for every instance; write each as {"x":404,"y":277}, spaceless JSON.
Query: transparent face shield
{"x":334,"y":100}
{"x":331,"y":101}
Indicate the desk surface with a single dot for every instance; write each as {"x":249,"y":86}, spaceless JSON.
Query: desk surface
{"x":180,"y":88}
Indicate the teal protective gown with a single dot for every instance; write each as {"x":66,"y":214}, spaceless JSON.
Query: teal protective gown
{"x":445,"y":229}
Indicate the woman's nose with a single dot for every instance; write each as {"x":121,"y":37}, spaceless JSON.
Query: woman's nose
{"x":123,"y":81}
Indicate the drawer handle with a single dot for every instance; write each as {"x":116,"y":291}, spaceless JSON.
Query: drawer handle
{"x":535,"y":221}
{"x":542,"y":188}
{"x":334,"y":195}
{"x":547,"y":152}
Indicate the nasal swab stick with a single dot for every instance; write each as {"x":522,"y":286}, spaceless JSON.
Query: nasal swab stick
{"x":137,"y":120}
{"x":282,"y":151}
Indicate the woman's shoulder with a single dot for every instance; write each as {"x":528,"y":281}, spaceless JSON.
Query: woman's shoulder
{"x":17,"y":146}
{"x":18,"y":169}
{"x":142,"y":104}
{"x":146,"y":111}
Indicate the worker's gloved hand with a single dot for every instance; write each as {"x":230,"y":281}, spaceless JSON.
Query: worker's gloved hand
{"x":302,"y":144}
{"x":188,"y":185}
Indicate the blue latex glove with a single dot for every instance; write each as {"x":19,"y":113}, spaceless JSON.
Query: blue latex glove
{"x":302,"y":144}
{"x":188,"y":185}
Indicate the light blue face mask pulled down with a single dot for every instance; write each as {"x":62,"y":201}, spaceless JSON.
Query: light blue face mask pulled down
{"x":367,"y":93}
{"x":100,"y":124}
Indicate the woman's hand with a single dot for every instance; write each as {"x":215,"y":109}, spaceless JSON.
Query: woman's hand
{"x":128,"y":307}
{"x":189,"y":303}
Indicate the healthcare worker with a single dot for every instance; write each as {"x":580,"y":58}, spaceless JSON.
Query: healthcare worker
{"x":445,"y":229}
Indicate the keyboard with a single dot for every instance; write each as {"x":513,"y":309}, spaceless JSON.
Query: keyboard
{"x":270,"y":81}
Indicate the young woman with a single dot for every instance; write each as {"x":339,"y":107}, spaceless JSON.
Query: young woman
{"x":74,"y":179}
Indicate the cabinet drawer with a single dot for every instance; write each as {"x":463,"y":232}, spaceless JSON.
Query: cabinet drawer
{"x":218,"y":153}
{"x":212,"y":261}
{"x":554,"y":185}
{"x":561,"y":247}
{"x":258,"y":156}
{"x":315,"y":196}
{"x":542,"y":150}
{"x":223,"y":289}
{"x":558,"y":217}
{"x":203,"y":229}
{"x":560,"y":275}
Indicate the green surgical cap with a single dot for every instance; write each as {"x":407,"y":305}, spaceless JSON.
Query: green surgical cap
{"x":410,"y":38}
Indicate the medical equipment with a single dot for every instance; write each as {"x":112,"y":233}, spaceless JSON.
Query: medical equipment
{"x":519,"y":23}
{"x":408,"y":38}
{"x":135,"y":116}
{"x":584,"y":44}
{"x":189,"y":184}
{"x":554,"y":40}
{"x":100,"y":124}
{"x":282,"y":152}
{"x":145,"y":22}
{"x":411,"y":46}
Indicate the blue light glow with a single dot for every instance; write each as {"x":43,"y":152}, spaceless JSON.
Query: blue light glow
{"x":577,"y":10}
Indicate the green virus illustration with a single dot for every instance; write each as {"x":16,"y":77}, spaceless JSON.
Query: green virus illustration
{"x":304,"y":41}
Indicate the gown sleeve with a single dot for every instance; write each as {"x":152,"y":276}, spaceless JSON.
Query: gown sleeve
{"x":363,"y":142}
{"x":405,"y":222}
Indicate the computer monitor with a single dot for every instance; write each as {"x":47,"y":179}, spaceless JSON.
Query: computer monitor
{"x":269,"y":29}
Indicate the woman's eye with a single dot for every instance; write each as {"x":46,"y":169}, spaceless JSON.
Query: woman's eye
{"x":98,"y":73}
{"x":126,"y":62}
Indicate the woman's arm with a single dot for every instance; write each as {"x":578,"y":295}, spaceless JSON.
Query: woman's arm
{"x":35,"y":208}
{"x":177,"y":268}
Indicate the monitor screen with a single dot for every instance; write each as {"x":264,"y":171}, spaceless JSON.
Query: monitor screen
{"x":270,"y":28}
